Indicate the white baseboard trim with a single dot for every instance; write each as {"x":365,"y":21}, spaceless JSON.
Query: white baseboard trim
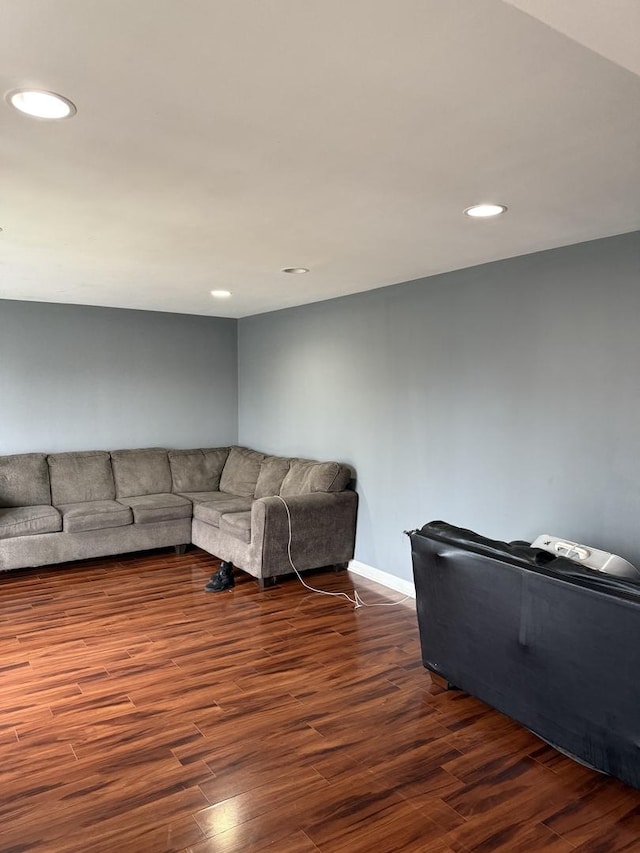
{"x":383,"y":578}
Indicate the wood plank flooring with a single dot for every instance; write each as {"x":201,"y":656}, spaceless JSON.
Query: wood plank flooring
{"x":140,"y":714}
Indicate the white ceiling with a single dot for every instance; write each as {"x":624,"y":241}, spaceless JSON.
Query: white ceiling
{"x":217,"y":141}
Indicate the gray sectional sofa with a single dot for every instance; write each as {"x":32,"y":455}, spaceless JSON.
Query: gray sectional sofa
{"x":230,"y":501}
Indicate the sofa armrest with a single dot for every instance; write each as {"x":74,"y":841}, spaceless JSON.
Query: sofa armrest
{"x":322,"y":530}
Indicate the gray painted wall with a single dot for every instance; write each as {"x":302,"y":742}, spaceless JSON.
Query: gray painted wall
{"x":505,"y":398}
{"x":80,"y":378}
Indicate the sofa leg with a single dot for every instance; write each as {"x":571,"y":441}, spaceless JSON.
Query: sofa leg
{"x":265,"y":583}
{"x":451,"y":686}
{"x":340,"y":567}
{"x":180,"y":549}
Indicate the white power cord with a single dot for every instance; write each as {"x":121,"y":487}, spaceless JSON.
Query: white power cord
{"x":356,"y":600}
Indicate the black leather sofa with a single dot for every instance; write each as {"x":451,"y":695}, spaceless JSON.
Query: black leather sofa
{"x":545,"y":641}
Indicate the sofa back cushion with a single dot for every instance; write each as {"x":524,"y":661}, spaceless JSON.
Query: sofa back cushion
{"x":79,"y":477}
{"x":241,"y":471}
{"x":197,"y":470}
{"x":141,"y":472}
{"x":306,"y":476}
{"x":24,"y":480}
{"x":272,"y":472}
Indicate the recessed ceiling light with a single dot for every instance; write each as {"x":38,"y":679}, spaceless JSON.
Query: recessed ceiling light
{"x":295,"y":270}
{"x":41,"y":104}
{"x":483,"y":211}
{"x":221,"y":294}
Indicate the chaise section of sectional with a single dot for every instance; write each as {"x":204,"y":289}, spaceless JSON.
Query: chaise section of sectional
{"x":254,"y":535}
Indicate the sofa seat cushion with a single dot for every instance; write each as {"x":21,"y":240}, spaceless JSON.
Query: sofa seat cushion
{"x":237,"y":524}
{"x":205,"y":497}
{"x":164,"y":507}
{"x":27,"y":520}
{"x":94,"y":515}
{"x":212,"y":512}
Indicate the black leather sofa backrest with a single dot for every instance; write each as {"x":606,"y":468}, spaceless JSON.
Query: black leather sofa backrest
{"x":545,"y":641}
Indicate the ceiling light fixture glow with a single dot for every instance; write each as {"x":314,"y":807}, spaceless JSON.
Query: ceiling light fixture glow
{"x":221,"y":294}
{"x":484,"y":211}
{"x":295,"y":270}
{"x":41,"y":104}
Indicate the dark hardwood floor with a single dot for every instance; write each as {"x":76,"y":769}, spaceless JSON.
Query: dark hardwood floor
{"x":139,"y":713}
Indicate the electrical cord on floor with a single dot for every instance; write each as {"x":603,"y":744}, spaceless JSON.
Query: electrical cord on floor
{"x":356,"y":600}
